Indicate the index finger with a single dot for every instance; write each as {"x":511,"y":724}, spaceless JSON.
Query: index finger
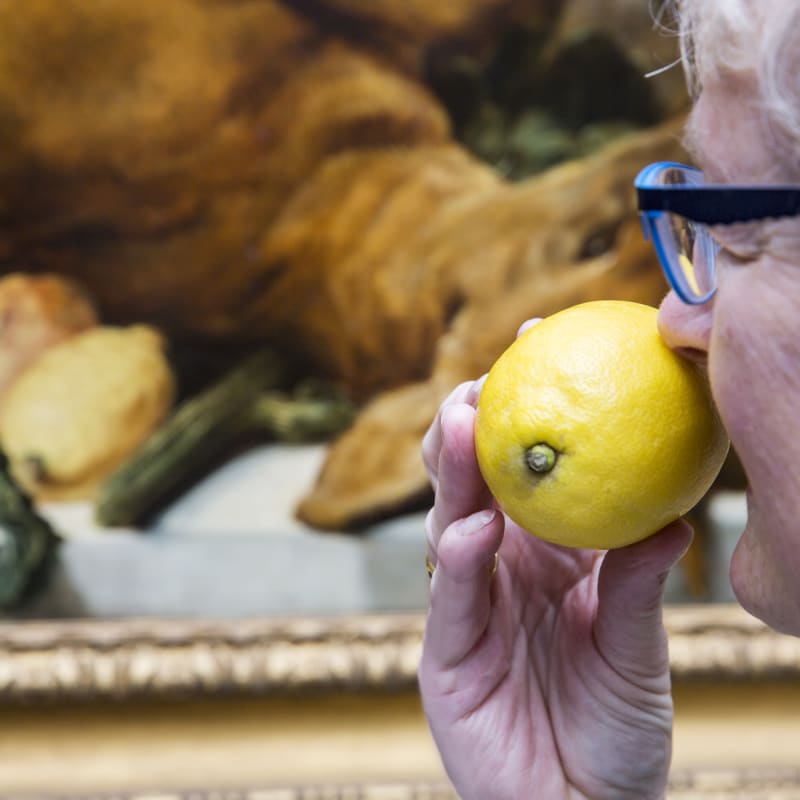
{"x":464,"y":393}
{"x":461,"y":490}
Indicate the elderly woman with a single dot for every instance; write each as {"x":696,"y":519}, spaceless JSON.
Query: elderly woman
{"x":550,"y":678}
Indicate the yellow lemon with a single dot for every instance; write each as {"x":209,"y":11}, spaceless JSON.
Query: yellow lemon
{"x":591,"y":432}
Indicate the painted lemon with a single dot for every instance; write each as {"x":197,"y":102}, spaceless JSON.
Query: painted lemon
{"x":591,"y":432}
{"x":83,"y":407}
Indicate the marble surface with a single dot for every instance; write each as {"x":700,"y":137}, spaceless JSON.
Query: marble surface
{"x":231,"y":547}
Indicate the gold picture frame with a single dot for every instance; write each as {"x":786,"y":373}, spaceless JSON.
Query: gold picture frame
{"x":768,"y":784}
{"x":168,"y":658}
{"x":139,"y":663}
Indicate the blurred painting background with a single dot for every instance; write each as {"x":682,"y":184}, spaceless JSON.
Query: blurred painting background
{"x":247,"y":248}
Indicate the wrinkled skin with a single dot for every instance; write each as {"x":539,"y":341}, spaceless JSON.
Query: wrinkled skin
{"x":550,"y":679}
{"x":749,"y":337}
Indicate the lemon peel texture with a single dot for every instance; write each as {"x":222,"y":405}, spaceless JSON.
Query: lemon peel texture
{"x":590,"y":432}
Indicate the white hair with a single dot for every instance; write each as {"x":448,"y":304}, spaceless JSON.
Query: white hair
{"x":753,"y":40}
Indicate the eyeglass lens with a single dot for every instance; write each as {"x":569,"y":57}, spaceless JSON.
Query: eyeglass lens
{"x":688,"y":245}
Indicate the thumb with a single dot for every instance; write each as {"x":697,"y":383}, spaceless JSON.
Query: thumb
{"x":628,"y":627}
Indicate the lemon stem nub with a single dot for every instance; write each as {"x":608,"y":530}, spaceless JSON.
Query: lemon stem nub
{"x":541,"y":458}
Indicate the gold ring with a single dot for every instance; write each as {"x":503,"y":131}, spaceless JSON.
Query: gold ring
{"x":430,"y":567}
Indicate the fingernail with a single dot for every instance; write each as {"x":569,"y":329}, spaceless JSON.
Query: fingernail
{"x":475,"y":390}
{"x":528,"y":324}
{"x":444,"y":424}
{"x":477,"y":521}
{"x":449,"y":419}
{"x":446,"y":413}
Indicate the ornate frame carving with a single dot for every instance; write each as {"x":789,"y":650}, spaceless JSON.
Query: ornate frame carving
{"x":163,"y":658}
{"x":722,"y":785}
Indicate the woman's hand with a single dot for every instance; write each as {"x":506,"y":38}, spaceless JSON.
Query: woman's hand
{"x":550,"y":678}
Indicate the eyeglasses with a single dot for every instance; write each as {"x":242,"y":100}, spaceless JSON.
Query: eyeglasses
{"x":676,"y":207}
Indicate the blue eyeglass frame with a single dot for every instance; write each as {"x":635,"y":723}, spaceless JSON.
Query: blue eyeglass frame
{"x":709,"y":204}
